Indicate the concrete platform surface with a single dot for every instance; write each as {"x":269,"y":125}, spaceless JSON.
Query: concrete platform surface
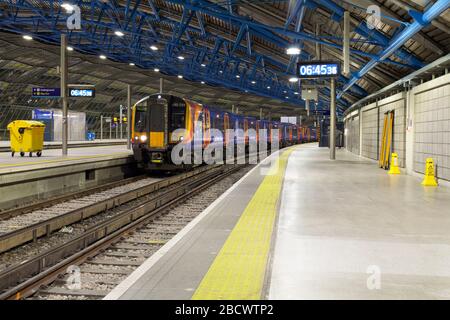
{"x":348,"y":230}
{"x":53,"y":157}
{"x":6,"y":144}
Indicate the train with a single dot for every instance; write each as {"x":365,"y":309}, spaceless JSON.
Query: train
{"x":157,"y":120}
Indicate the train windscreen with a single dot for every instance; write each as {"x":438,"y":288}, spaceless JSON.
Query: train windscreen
{"x":177,"y":114}
{"x":157,"y":114}
{"x":140,"y":121}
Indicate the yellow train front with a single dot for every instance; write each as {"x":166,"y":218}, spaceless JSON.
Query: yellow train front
{"x":155,"y":118}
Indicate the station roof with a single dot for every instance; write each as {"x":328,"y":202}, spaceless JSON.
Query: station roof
{"x":239,"y":45}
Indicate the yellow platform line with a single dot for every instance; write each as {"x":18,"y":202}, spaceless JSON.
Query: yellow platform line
{"x":21,"y":164}
{"x":238,"y":271}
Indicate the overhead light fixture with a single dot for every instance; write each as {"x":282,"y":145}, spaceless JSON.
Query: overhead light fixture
{"x":69,"y":8}
{"x":253,"y":82}
{"x":203,"y":65}
{"x":103,"y":57}
{"x":220,"y":71}
{"x":132,"y":64}
{"x":309,"y":90}
{"x":268,"y":87}
{"x":27,"y":37}
{"x":69,"y":49}
{"x":247,"y":91}
{"x":293,"y":51}
{"x":180,"y":76}
{"x":203,"y":82}
{"x":293,"y":79}
{"x":287,"y":97}
{"x":180,"y":57}
{"x":154,"y":48}
{"x":296,"y":92}
{"x":119,"y":33}
{"x":156,"y":70}
{"x":238,"y":76}
{"x":284,"y":91}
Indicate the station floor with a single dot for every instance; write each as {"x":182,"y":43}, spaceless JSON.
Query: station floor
{"x":53,"y":157}
{"x":315,"y":229}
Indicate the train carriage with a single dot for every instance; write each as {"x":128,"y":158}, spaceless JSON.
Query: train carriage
{"x":161,"y":121}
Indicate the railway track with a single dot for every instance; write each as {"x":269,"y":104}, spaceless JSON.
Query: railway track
{"x":113,"y":248}
{"x":25,"y":224}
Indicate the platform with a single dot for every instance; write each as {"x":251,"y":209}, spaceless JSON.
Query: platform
{"x":5,"y":145}
{"x":345,"y":230}
{"x":28,"y":178}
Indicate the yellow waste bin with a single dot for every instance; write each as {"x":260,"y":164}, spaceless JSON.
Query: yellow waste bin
{"x":26,"y":136}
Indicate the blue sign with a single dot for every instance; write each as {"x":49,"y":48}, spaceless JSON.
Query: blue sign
{"x":318,"y":69}
{"x":46,"y":92}
{"x":81,"y":92}
{"x":42,"y":114}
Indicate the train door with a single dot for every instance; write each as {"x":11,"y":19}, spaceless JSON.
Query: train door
{"x":246,"y":131}
{"x":206,"y":127}
{"x":257,"y":131}
{"x":226,"y":126}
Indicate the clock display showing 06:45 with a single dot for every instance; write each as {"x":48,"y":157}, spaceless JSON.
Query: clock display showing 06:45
{"x":318,"y":69}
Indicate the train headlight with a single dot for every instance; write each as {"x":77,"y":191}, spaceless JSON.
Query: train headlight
{"x":181,"y":138}
{"x":143,"y":138}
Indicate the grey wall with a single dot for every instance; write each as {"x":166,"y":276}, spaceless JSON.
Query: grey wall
{"x":370,"y":132}
{"x":397,"y":104}
{"x":432,"y":127}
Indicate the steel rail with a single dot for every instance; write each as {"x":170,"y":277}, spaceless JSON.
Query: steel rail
{"x":48,"y":266}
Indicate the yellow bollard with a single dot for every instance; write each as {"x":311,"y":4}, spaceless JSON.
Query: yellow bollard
{"x":394,"y":164}
{"x":429,"y":180}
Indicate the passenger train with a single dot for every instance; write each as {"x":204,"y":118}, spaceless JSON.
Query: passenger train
{"x":156,"y":117}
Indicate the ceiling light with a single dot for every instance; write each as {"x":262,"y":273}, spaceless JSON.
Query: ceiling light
{"x":180,"y":76}
{"x":268,"y":87}
{"x":203,"y":65}
{"x":293,"y":79}
{"x":309,"y":91}
{"x":27,"y":37}
{"x":103,"y":57}
{"x":203,"y":82}
{"x":293,"y":51}
{"x":180,"y":57}
{"x":69,"y":49}
{"x":284,"y":91}
{"x":247,"y":91}
{"x":220,"y":71}
{"x":238,"y":76}
{"x":253,"y":82}
{"x":287,"y":97}
{"x":154,"y":48}
{"x":119,"y":33}
{"x":132,"y":64}
{"x":156,"y":70}
{"x":295,"y":92}
{"x":69,"y":8}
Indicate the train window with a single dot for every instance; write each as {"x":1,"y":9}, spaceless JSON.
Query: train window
{"x":140,"y":118}
{"x":177,"y":115}
{"x":157,"y":118}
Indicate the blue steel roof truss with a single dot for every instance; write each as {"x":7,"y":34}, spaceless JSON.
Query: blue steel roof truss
{"x":181,"y":36}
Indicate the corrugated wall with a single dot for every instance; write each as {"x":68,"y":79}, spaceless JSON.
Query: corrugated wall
{"x":432,"y":127}
{"x":370,"y":132}
{"x":396,"y":103}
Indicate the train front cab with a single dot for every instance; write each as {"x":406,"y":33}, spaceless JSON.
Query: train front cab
{"x":155,"y":118}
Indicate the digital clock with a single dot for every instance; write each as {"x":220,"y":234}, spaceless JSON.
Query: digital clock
{"x":81,"y":93}
{"x":318,"y":69}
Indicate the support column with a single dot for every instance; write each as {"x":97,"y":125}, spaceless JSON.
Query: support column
{"x":333,"y":120}
{"x":161,"y":84}
{"x":128,"y":117}
{"x":346,"y":48}
{"x":64,"y":76}
{"x":260,"y":113}
{"x":307,"y":107}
